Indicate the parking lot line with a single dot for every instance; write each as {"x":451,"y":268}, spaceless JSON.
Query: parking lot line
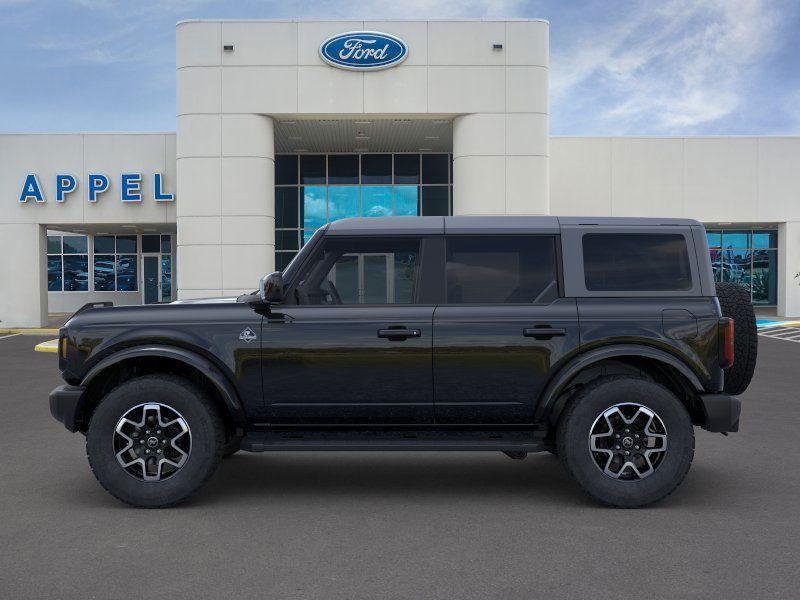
{"x":2,"y":337}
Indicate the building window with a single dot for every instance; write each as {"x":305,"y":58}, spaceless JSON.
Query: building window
{"x":67,"y":263}
{"x":115,"y":263}
{"x":314,"y":189}
{"x":748,"y":257}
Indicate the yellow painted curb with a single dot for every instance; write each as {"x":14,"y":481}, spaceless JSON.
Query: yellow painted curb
{"x":30,"y":331}
{"x":48,"y":346}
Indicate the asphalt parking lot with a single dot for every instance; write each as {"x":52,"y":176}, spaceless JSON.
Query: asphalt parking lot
{"x":404,"y":525}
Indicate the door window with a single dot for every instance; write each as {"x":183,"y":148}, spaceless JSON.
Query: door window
{"x":501,"y":270}
{"x":352,"y":271}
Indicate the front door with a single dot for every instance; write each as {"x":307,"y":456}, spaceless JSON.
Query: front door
{"x":502,"y":330}
{"x":353,"y":344}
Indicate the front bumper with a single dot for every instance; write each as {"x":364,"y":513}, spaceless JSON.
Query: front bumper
{"x":721,"y":412}
{"x":66,"y":402}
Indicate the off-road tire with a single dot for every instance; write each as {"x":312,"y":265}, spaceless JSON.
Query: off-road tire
{"x":207,"y":440}
{"x":734,"y":300}
{"x":573,"y":437}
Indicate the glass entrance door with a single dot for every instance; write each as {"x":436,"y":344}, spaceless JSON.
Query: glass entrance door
{"x":152,"y":278}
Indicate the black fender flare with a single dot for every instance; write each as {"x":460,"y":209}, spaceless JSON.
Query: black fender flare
{"x":223,"y":385}
{"x":562,"y":378}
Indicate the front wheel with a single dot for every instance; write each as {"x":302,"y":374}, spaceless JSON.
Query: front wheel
{"x":154,"y":440}
{"x":628,"y":442}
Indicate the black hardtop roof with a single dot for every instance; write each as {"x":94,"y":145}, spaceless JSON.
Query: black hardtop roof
{"x":488,"y":224}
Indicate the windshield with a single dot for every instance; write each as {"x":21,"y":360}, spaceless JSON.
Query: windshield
{"x":291,"y":269}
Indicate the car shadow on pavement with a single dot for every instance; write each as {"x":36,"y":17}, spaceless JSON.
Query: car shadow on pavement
{"x":432,"y":477}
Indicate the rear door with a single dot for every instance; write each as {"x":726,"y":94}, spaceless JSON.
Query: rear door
{"x":502,"y":329}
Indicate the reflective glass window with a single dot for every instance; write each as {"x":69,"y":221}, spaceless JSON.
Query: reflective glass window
{"x":765,"y":239}
{"x":636,"y":262}
{"x":286,"y":207}
{"x":314,"y":199}
{"x":307,"y":235}
{"x":76,"y":273}
{"x":434,"y":168}
{"x":714,"y":239}
{"x":735,"y":239}
{"x":54,"y":278}
{"x":286,"y":169}
{"x":286,"y":240}
{"x":434,"y":201}
{"x":126,"y":244}
{"x":104,"y":272}
{"x":75,"y":244}
{"x":166,"y":278}
{"x":166,"y":244}
{"x":406,"y":202}
{"x":126,"y":274}
{"x":312,"y":168}
{"x":282,"y":260}
{"x":406,"y":168}
{"x":342,"y":168}
{"x":54,"y":244}
{"x":104,"y":244}
{"x":501,"y":269}
{"x":376,"y":168}
{"x":367,"y":271}
{"x":151,"y":243}
{"x":765,"y":277}
{"x":343,"y":202}
{"x":376,"y":200}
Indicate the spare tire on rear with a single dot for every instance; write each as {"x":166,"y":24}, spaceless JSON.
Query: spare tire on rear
{"x":734,"y":300}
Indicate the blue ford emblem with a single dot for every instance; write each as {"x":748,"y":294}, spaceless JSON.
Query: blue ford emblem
{"x":363,"y":50}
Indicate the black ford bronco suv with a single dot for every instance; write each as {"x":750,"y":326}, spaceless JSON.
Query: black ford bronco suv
{"x":603,"y":341}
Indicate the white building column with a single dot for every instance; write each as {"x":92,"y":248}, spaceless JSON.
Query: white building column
{"x":501,"y":164}
{"x":23,"y":272}
{"x":788,"y":265}
{"x":226,"y":222}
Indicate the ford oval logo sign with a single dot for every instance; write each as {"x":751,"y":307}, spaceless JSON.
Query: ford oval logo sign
{"x":363,"y":50}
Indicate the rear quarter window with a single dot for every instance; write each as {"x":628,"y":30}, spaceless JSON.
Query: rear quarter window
{"x":636,"y":262}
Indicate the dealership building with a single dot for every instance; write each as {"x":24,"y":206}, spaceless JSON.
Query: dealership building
{"x":283,"y":126}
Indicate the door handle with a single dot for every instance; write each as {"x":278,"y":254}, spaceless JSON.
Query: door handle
{"x":543,"y":333}
{"x":398,"y":335}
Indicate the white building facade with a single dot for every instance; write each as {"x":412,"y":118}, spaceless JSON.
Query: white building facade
{"x":282,"y":128}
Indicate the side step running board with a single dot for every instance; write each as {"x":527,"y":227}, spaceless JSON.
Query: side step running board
{"x":492,"y":441}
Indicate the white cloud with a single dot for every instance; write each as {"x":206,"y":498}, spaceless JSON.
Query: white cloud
{"x":667,"y":70}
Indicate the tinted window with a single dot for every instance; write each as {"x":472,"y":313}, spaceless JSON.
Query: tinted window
{"x":151,"y":243}
{"x":434,"y":168}
{"x":376,"y":168}
{"x":343,"y":168}
{"x":636,"y":262}
{"x":312,"y":169}
{"x":104,"y":243}
{"x":285,"y":169}
{"x":501,"y":270}
{"x":366,"y":271}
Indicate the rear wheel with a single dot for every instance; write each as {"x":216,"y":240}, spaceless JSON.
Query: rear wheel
{"x":154,"y":440}
{"x":734,"y":300}
{"x":628,"y":442}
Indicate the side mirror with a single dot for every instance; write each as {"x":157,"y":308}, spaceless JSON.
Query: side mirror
{"x":270,"y":288}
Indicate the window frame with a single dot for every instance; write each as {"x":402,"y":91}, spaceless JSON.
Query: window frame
{"x":424,"y":254}
{"x":574,"y":278}
{"x":61,"y":255}
{"x":559,"y":271}
{"x":116,"y":254}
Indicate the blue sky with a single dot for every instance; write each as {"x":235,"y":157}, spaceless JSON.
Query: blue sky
{"x":618,"y":67}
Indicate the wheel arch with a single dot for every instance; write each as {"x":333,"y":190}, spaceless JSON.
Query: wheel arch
{"x":153,"y":358}
{"x":657,"y":363}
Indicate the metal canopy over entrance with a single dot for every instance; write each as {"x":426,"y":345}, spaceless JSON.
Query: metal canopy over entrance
{"x":362,"y":135}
